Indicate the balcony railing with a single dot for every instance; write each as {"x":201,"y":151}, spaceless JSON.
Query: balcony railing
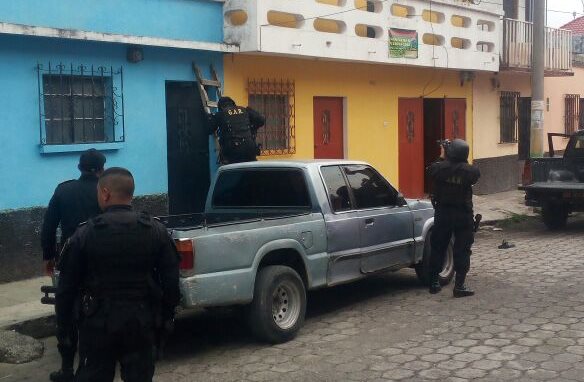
{"x":518,"y":47}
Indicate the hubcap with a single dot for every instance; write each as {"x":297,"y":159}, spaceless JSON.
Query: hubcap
{"x":286,"y":305}
{"x":448,"y":265}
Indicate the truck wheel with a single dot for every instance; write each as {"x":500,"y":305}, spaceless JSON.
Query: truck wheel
{"x":423,"y":267}
{"x":279,"y":304}
{"x":555,"y":216}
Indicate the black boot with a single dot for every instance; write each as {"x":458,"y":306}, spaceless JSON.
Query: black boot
{"x":63,"y":375}
{"x":460,"y":289}
{"x":435,"y":286}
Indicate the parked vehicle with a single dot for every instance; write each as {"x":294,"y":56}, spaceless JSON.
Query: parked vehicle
{"x":556,"y":184}
{"x":273,"y":230}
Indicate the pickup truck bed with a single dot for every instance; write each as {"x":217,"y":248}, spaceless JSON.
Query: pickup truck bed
{"x":556,"y":184}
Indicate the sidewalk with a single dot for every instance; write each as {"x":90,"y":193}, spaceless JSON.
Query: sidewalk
{"x":20,"y":301}
{"x":501,"y":206}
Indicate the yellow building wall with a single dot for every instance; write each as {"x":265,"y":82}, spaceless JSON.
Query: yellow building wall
{"x":487,"y":88}
{"x":371,"y":95}
{"x":555,"y":89}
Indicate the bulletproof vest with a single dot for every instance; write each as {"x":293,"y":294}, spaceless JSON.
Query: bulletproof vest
{"x":452,"y":186}
{"x":234,"y":124}
{"x":122,"y":249}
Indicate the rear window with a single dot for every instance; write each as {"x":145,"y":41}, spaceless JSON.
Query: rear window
{"x":261,"y":189}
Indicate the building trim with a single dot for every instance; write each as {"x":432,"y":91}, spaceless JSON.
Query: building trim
{"x":50,"y":149}
{"x":76,"y":34}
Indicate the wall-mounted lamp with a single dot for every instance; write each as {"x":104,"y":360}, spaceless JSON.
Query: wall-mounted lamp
{"x":134,"y":54}
{"x":495,"y":83}
{"x":466,"y":76}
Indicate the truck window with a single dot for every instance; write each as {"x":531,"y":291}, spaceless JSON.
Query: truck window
{"x":257,"y":188}
{"x":369,"y":188}
{"x":575,"y":148}
{"x":337,"y":189}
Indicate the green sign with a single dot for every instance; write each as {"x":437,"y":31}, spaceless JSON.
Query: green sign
{"x":403,"y":43}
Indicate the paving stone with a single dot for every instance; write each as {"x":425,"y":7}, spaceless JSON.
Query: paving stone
{"x":434,"y":374}
{"x":435,"y":358}
{"x":398,"y":374}
{"x":505,"y":374}
{"x":470,"y":373}
{"x":501,"y":356}
{"x":541,"y":374}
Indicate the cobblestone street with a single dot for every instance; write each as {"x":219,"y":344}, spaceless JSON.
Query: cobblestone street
{"x":526,"y":323}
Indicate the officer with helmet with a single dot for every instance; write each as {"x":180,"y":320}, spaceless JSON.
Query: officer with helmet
{"x":236,"y":128}
{"x":453,"y":178}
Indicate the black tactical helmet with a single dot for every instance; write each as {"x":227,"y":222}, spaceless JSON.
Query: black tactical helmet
{"x":457,"y":151}
{"x":91,"y":161}
{"x":225,"y":102}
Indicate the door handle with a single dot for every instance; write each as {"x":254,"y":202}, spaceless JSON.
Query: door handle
{"x":369,"y":222}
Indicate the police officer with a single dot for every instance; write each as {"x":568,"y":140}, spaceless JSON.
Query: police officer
{"x":73,"y":202}
{"x":452,"y":178}
{"x":236,"y":128}
{"x":126,"y":267}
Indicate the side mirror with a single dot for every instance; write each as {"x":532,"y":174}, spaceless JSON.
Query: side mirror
{"x":401,"y":201}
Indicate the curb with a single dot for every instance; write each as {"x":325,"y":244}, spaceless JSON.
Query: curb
{"x":38,"y":328}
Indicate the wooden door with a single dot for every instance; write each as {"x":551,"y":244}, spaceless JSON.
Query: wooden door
{"x":454,"y":118}
{"x":328,"y":128}
{"x":411,"y":146}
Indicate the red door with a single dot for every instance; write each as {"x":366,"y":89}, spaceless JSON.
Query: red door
{"x":454,"y":118}
{"x":328,"y":128}
{"x":411,"y":146}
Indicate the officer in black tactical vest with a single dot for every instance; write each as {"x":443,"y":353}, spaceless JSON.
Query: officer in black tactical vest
{"x":452,"y":179}
{"x":125,"y":266}
{"x":73,"y":202}
{"x":236,"y":128}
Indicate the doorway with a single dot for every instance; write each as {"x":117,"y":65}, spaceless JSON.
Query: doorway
{"x":328,"y":128}
{"x":187,"y":148}
{"x":421,"y":124}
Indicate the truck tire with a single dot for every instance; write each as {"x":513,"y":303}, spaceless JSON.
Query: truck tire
{"x":555,"y":216}
{"x":423,"y":267}
{"x":277,"y":311}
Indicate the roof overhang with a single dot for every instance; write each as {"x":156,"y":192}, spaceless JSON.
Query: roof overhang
{"x":547,"y":73}
{"x":75,"y":34}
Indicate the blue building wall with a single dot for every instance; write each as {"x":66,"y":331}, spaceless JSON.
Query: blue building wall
{"x":199,"y":20}
{"x":28,"y":177}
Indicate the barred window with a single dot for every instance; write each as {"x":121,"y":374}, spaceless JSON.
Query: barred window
{"x":276,"y":101}
{"x":509,"y":117}
{"x":572,"y":115}
{"x":79,"y":105}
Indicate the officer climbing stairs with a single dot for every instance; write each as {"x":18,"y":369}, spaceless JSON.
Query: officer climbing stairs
{"x":210,"y":90}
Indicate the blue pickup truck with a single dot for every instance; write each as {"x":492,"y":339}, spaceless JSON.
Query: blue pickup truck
{"x":273,"y":230}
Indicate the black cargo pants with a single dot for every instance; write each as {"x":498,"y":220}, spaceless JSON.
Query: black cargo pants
{"x":67,"y":345}
{"x":449,"y":221}
{"x":132,"y":345}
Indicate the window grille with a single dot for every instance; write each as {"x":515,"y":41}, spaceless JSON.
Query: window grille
{"x":80,"y":104}
{"x":509,"y":121}
{"x":572,"y":115}
{"x":276,"y":101}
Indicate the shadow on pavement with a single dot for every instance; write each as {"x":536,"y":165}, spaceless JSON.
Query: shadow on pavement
{"x":227,"y":328}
